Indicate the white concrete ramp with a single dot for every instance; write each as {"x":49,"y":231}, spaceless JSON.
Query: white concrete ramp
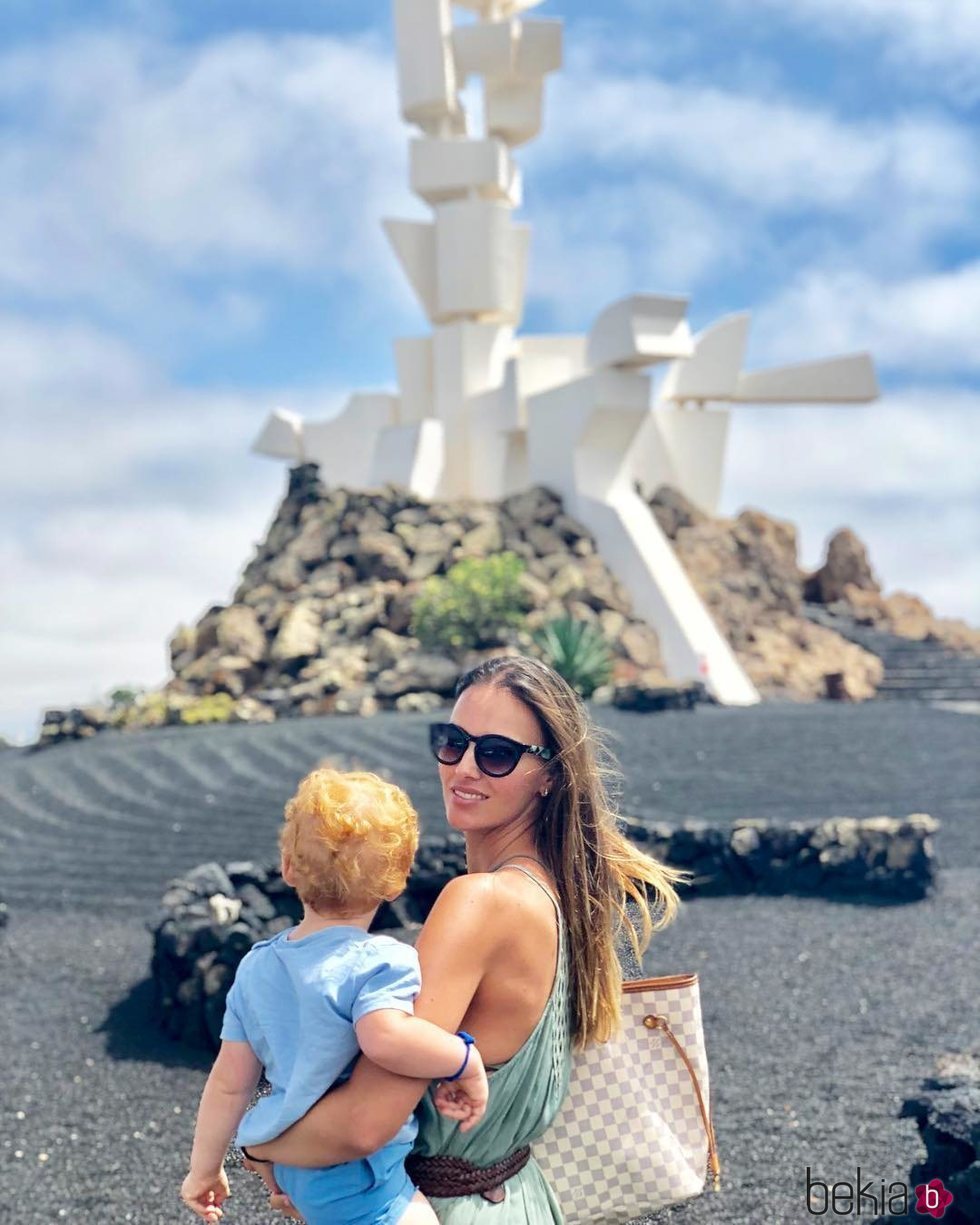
{"x":643,"y":559}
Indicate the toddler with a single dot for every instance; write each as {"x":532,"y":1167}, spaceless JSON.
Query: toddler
{"x":306,"y":1002}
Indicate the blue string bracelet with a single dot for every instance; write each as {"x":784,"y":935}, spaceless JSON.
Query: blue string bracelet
{"x":469,"y":1040}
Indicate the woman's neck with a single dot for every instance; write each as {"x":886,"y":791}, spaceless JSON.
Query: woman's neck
{"x":486,"y":851}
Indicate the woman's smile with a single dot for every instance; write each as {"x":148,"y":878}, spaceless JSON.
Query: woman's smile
{"x":466,"y":796}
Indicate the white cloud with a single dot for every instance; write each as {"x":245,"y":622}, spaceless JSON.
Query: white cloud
{"x":938,"y":34}
{"x":133,"y":164}
{"x":643,"y":181}
{"x":773,"y":153}
{"x":647,"y":234}
{"x":91,"y":599}
{"x":928,"y":323}
{"x":46,"y":361}
{"x":128,"y":506}
{"x":86,"y":416}
{"x":904,"y":473}
{"x":918,"y":443}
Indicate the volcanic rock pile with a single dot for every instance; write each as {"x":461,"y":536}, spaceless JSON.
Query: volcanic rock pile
{"x":846,"y":583}
{"x":320,"y":622}
{"x":746,"y":571}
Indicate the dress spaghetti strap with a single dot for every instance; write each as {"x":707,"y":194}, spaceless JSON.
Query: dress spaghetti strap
{"x":540,"y":883}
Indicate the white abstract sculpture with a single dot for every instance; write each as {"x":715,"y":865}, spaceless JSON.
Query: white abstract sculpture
{"x":483,"y":412}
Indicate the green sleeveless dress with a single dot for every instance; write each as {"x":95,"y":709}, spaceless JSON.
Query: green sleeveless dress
{"x":525,"y":1094}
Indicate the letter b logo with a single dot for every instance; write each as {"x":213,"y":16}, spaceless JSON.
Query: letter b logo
{"x":932,"y":1199}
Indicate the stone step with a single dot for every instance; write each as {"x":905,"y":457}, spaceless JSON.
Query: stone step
{"x":966,"y":680}
{"x":957,"y":676}
{"x":958,"y":691}
{"x":928,"y":695}
{"x":915,"y":670}
{"x":926,"y":658}
{"x":912,"y":676}
{"x":939,"y":681}
{"x":941,"y":669}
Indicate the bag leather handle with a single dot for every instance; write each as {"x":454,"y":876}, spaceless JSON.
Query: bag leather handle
{"x":655,"y":1021}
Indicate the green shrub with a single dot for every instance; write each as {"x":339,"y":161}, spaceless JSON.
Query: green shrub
{"x":212,"y":708}
{"x":472,"y":606}
{"x":146,"y":710}
{"x":124,"y":696}
{"x":578,"y":651}
{"x":161,"y":709}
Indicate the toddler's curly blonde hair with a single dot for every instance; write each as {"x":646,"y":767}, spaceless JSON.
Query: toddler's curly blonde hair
{"x":351,"y":839}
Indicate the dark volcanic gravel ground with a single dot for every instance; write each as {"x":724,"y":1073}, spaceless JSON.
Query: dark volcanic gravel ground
{"x":820,"y":1017}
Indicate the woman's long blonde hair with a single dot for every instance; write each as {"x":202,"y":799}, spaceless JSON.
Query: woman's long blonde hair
{"x":595,"y":867}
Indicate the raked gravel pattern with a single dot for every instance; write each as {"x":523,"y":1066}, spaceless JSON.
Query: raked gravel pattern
{"x":820,"y":1017}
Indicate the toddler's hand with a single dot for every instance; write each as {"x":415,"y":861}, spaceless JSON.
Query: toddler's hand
{"x":282,"y":1203}
{"x":205,"y":1194}
{"x":278,"y":1200}
{"x":465,"y":1099}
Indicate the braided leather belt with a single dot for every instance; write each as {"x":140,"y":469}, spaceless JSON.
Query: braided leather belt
{"x":443,"y":1177}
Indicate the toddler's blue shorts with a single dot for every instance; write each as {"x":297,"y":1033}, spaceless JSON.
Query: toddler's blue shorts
{"x":372,"y":1191}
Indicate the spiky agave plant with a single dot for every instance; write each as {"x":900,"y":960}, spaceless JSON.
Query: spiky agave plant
{"x":578,"y":651}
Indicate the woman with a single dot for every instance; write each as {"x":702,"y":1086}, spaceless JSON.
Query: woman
{"x":520,"y":952}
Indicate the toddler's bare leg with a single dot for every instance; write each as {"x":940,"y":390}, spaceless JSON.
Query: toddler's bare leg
{"x":418,"y":1212}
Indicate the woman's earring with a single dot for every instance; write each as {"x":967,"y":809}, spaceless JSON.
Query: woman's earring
{"x":545,"y":793}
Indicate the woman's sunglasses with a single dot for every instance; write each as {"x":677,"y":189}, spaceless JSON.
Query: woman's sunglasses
{"x":494,"y":755}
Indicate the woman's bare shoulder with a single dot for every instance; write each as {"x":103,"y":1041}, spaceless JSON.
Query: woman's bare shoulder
{"x":462,"y":934}
{"x":488,"y":903}
{"x":464,"y":903}
{"x":474,"y":895}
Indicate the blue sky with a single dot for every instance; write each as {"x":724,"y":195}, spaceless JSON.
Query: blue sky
{"x":190,"y":206}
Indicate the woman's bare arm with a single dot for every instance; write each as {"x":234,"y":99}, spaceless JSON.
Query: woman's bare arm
{"x":455,"y":947}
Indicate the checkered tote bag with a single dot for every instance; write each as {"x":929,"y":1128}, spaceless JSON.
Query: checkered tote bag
{"x":634,"y":1132}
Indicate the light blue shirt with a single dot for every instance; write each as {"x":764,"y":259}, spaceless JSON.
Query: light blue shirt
{"x":295,"y":1002}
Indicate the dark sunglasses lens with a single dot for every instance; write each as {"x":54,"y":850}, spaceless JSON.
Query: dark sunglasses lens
{"x":496,"y":756}
{"x":447,"y":744}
